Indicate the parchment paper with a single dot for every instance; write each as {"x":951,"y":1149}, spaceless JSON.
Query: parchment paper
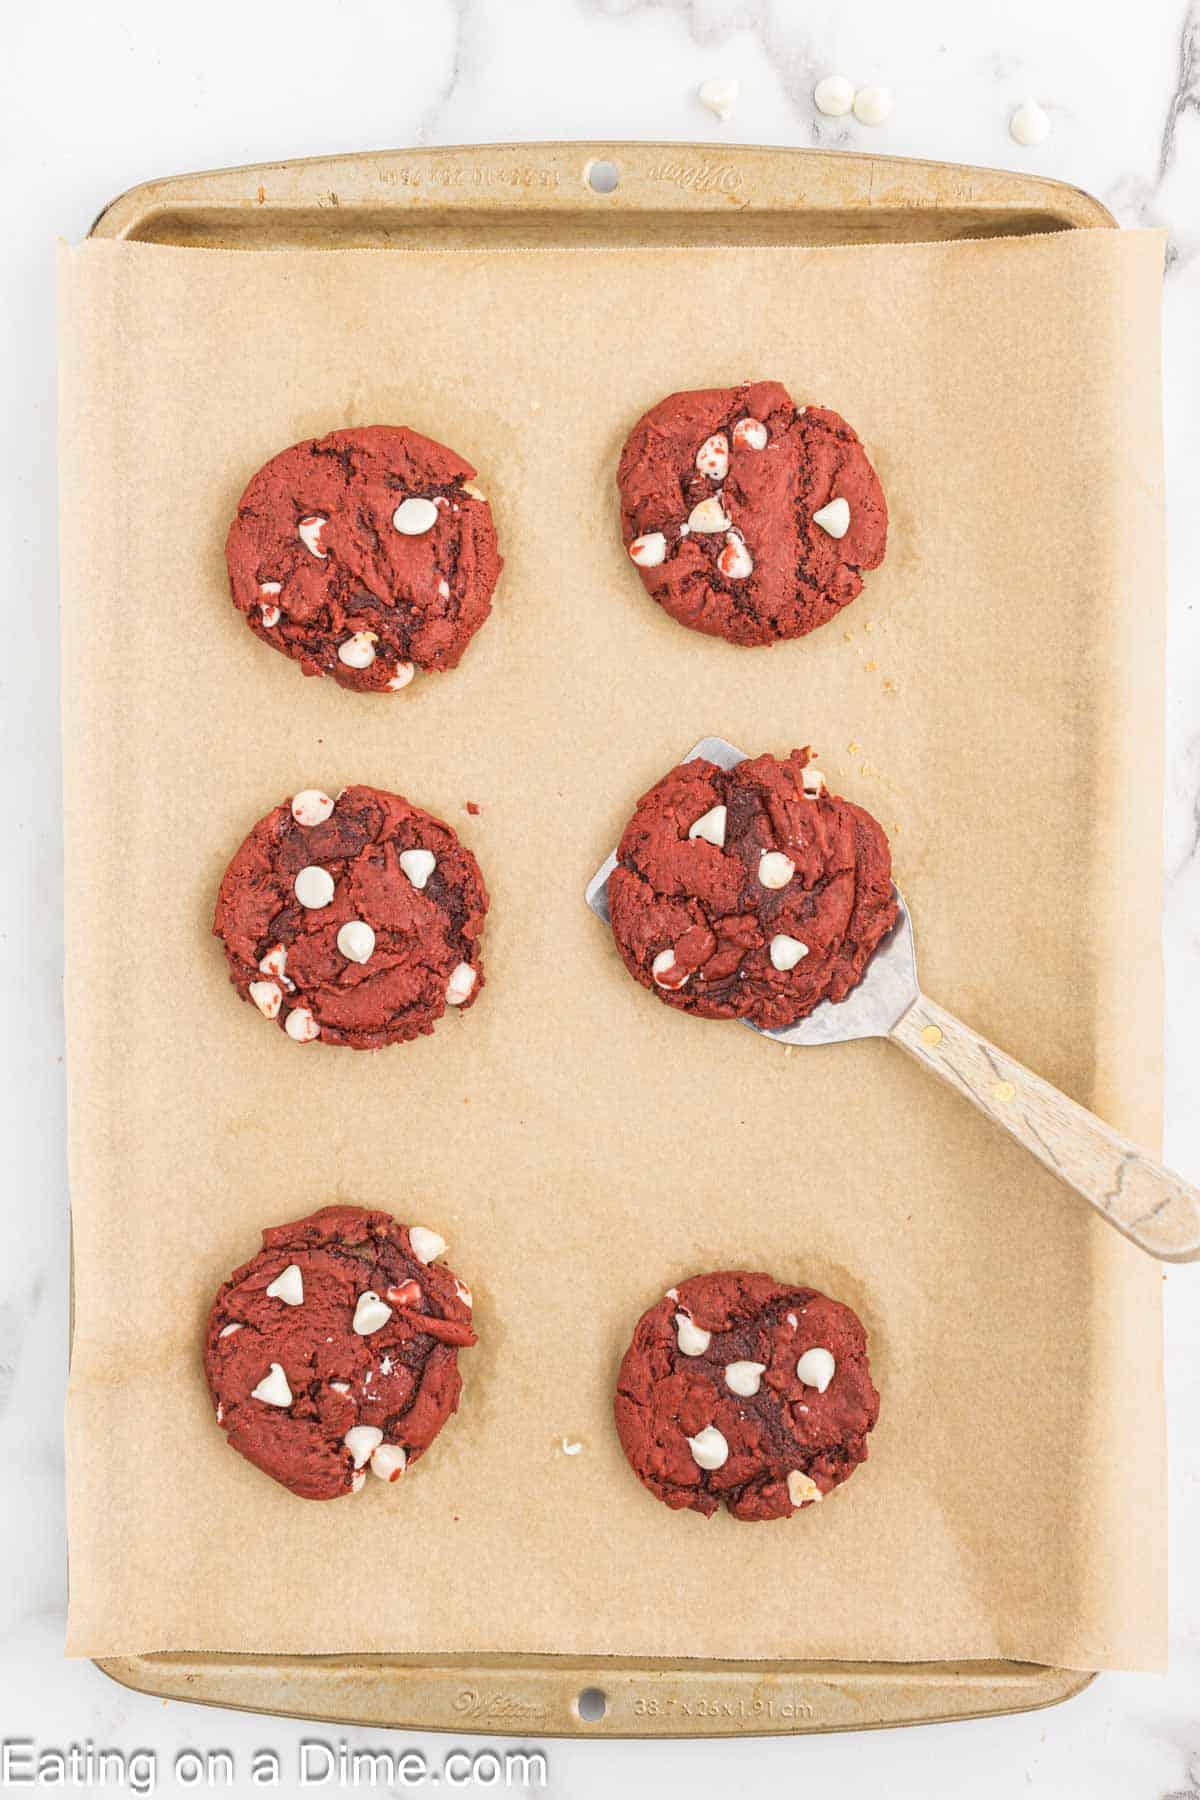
{"x":994,"y":697}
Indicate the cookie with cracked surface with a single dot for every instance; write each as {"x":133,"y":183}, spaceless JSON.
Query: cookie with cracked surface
{"x":740,"y":1389}
{"x":747,"y":517}
{"x":365,"y":555}
{"x":353,"y":921}
{"x":335,"y":1350}
{"x":750,"y":893}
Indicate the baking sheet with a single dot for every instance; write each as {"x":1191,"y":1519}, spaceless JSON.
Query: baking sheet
{"x":579,"y":1146}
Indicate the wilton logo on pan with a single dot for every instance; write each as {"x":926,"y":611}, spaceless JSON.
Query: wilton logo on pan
{"x":698,"y":178}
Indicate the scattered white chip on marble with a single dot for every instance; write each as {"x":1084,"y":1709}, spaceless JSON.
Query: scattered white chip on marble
{"x":418,"y":865}
{"x":415,"y":516}
{"x":834,"y":519}
{"x":361,"y":1441}
{"x":712,"y":458}
{"x":666,"y":972}
{"x":370,"y":1314}
{"x":802,"y":1488}
{"x":288,"y":1286}
{"x":426,"y":1244}
{"x":648,"y":550}
{"x":872,"y":105}
{"x":267,"y":997}
{"x":833,"y":96}
{"x":786,"y":952}
{"x":311,"y":807}
{"x":775,"y":869}
{"x":356,"y":940}
{"x":313,"y":886}
{"x":461,"y":984}
{"x":693,"y":1340}
{"x":358,"y":652}
{"x":709,"y":515}
{"x":309,"y":531}
{"x":816,"y":1369}
{"x":273,"y":1389}
{"x":709,"y":1448}
{"x":750,"y":434}
{"x":711,"y":826}
{"x":1029,"y":125}
{"x":389,"y":1462}
{"x":400,"y":676}
{"x":301,"y":1025}
{"x":720,"y":95}
{"x":228,"y":1330}
{"x":744,"y":1377}
{"x":735,"y":561}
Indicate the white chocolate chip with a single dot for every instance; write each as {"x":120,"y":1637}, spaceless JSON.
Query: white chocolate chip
{"x":648,"y":550}
{"x":712,"y":458}
{"x":719,"y":95}
{"x":443,"y":588}
{"x":744,"y":1377}
{"x":834,"y":519}
{"x":267,"y":997}
{"x":666,"y":973}
{"x":872,"y":105}
{"x":311,"y":807}
{"x":750,"y":434}
{"x":270,"y":616}
{"x":356,"y":940}
{"x":711,"y":826}
{"x":301,"y":1025}
{"x":313,"y":886}
{"x":228,"y":1330}
{"x":406,"y":1294}
{"x":358,"y":1481}
{"x":786,"y":952}
{"x":273,"y":1389}
{"x":709,"y":515}
{"x":775,"y":869}
{"x":361,"y":1441}
{"x":709,"y":1449}
{"x":418,"y":865}
{"x":693,"y":1340}
{"x":815,"y":1369}
{"x":672,"y":1293}
{"x":802,"y":1488}
{"x":463,"y":1292}
{"x":389,"y":1462}
{"x":414,"y":516}
{"x":735,"y":561}
{"x":793,"y":1321}
{"x":340,"y":1387}
{"x":461,"y":984}
{"x":309,"y":532}
{"x":275,"y":963}
{"x":400,"y":677}
{"x":270,"y":588}
{"x":571,"y":1446}
{"x":426,"y":1244}
{"x":370,"y":1314}
{"x":358,"y":652}
{"x":813,"y":781}
{"x":476,"y":493}
{"x":1029,"y":125}
{"x":834,"y":96}
{"x":288,"y":1286}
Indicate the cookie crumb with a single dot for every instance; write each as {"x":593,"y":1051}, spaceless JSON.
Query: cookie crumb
{"x":472,"y":808}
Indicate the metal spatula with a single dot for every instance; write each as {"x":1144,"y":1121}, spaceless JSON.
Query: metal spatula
{"x":1150,"y":1206}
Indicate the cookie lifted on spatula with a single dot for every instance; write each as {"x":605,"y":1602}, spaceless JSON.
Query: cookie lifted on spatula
{"x":707,"y":942}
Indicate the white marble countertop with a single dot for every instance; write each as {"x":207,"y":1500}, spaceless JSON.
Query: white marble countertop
{"x":99,"y":98}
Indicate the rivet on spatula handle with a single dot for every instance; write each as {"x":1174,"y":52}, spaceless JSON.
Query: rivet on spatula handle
{"x":1150,"y":1206}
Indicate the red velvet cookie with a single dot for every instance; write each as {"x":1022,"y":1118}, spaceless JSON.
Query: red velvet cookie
{"x":364,"y":555}
{"x":356,"y":921}
{"x":737,"y":1388}
{"x":750,"y":893}
{"x":335,"y":1348}
{"x":749,"y":518}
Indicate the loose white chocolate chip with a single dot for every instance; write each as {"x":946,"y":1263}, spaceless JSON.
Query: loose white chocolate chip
{"x":267,"y":997}
{"x":815,"y":1369}
{"x":356,"y":940}
{"x":362,"y":1441}
{"x":834,"y":96}
{"x":735,"y":561}
{"x":1029,"y":125}
{"x":834,"y":519}
{"x":709,"y":515}
{"x":744,"y":1377}
{"x":273,"y":1389}
{"x":389,"y":1462}
{"x":648,"y":550}
{"x":370,"y":1314}
{"x":786,"y":952}
{"x":228,"y":1330}
{"x":311,"y":807}
{"x":571,"y":1446}
{"x":400,"y":677}
{"x":666,"y":973}
{"x":426,"y":1244}
{"x":719,"y":95}
{"x":414,"y":516}
{"x":813,"y":781}
{"x":340,"y":1387}
{"x":692,"y":1338}
{"x":802,"y":1488}
{"x":461,"y":984}
{"x":711,"y":826}
{"x":358,"y":652}
{"x":418,"y":865}
{"x":712,"y":458}
{"x":750,"y":434}
{"x":301,"y":1025}
{"x":775,"y":869}
{"x":872,"y":105}
{"x":463,"y":1292}
{"x":709,"y":1449}
{"x":309,"y":532}
{"x":288,"y":1286}
{"x":313,"y":886}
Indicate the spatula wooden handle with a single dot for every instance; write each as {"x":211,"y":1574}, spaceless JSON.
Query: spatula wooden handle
{"x":1150,"y":1206}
